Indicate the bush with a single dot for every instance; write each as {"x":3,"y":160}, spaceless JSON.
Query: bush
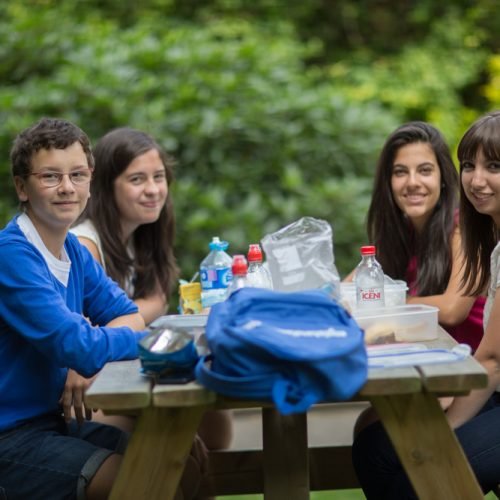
{"x":427,"y":79}
{"x":260,"y":139}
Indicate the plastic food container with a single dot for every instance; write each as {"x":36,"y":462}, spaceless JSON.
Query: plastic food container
{"x":408,"y":323}
{"x":182,"y":320}
{"x":194,"y":324}
{"x":394,"y":293}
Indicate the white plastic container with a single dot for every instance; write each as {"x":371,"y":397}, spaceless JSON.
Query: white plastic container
{"x":194,"y":324}
{"x":182,"y":320}
{"x":407,"y":323}
{"x":394,"y":292}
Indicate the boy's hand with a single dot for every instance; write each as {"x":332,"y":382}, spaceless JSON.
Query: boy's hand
{"x":72,"y":396}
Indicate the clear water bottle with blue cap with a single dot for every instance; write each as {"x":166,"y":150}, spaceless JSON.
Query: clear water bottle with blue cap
{"x":215,"y":273}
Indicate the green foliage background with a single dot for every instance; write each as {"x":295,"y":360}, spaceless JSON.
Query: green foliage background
{"x":274,"y":110}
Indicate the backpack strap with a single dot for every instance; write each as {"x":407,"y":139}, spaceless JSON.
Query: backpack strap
{"x":257,"y":387}
{"x":287,"y":400}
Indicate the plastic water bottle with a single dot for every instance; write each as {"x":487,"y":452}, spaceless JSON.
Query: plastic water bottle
{"x":369,"y":279}
{"x":239,"y":270}
{"x":258,"y":275}
{"x":215,"y":273}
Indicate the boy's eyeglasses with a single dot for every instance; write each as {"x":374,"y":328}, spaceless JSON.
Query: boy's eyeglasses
{"x":53,"y":179}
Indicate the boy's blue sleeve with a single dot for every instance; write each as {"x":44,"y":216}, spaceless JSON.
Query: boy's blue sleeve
{"x":103,"y":299}
{"x":33,"y":308}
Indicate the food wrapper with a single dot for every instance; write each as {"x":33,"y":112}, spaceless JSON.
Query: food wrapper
{"x":190,"y":298}
{"x":168,"y":351}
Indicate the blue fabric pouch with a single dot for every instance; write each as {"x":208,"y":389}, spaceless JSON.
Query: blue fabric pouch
{"x":169,"y":353}
{"x":294,"y":349}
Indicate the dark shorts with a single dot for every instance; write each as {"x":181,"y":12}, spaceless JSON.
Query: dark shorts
{"x":50,"y":460}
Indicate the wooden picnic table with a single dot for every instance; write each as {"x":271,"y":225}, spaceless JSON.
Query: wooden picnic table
{"x":405,"y":399}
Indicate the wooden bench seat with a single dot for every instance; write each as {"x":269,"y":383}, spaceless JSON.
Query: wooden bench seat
{"x":240,"y":472}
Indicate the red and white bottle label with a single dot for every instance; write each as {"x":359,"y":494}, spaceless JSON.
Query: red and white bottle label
{"x":370,"y":297}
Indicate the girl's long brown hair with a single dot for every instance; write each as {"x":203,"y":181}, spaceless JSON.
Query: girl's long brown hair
{"x":391,"y":231}
{"x":479,"y":232}
{"x":153,"y":261}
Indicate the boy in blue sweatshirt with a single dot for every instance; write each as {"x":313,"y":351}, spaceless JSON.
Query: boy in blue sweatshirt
{"x":61,"y":319}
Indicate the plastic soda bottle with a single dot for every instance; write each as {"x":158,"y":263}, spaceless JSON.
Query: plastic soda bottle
{"x":369,"y":279}
{"x":258,"y":275}
{"x":215,"y":273}
{"x":239,"y":270}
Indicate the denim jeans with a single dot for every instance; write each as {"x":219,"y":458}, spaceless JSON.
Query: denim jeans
{"x":382,"y":476}
{"x":50,"y":460}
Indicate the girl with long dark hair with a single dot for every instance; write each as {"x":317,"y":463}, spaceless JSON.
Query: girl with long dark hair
{"x":129,"y":228}
{"x":475,"y":416}
{"x":413,"y":222}
{"x":129,"y":223}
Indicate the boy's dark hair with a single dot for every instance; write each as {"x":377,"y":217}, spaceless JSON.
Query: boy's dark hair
{"x":154,"y":261}
{"x":479,"y":232}
{"x":389,"y":228}
{"x":48,"y":133}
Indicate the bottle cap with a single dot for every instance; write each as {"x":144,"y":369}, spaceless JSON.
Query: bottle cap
{"x":239,"y":265}
{"x":217,"y":244}
{"x":254,"y":253}
{"x":368,"y":250}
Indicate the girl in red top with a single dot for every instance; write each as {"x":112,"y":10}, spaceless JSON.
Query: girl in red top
{"x":413,"y":221}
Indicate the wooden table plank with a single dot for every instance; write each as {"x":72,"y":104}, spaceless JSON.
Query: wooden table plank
{"x":445,"y":378}
{"x":156,"y":454}
{"x":467,"y":374}
{"x":380,"y":382}
{"x":119,"y":386}
{"x":458,"y":377}
{"x":427,"y":447}
{"x":383,"y":381}
{"x":241,"y":472}
{"x":190,"y":394}
{"x":286,"y":457}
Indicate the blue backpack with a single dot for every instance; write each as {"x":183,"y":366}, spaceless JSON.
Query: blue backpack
{"x":294,"y":349}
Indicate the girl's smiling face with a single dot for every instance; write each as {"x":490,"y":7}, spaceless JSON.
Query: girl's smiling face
{"x":481,"y":183}
{"x":141,"y":192}
{"x":416,"y":182}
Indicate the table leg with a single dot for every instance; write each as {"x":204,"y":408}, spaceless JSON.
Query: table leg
{"x":154,"y":460}
{"x":286,"y":458}
{"x":427,"y":447}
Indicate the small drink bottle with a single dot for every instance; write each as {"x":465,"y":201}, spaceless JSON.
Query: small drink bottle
{"x":239,"y":270}
{"x":258,"y":275}
{"x":215,"y":273}
{"x":369,"y":279}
